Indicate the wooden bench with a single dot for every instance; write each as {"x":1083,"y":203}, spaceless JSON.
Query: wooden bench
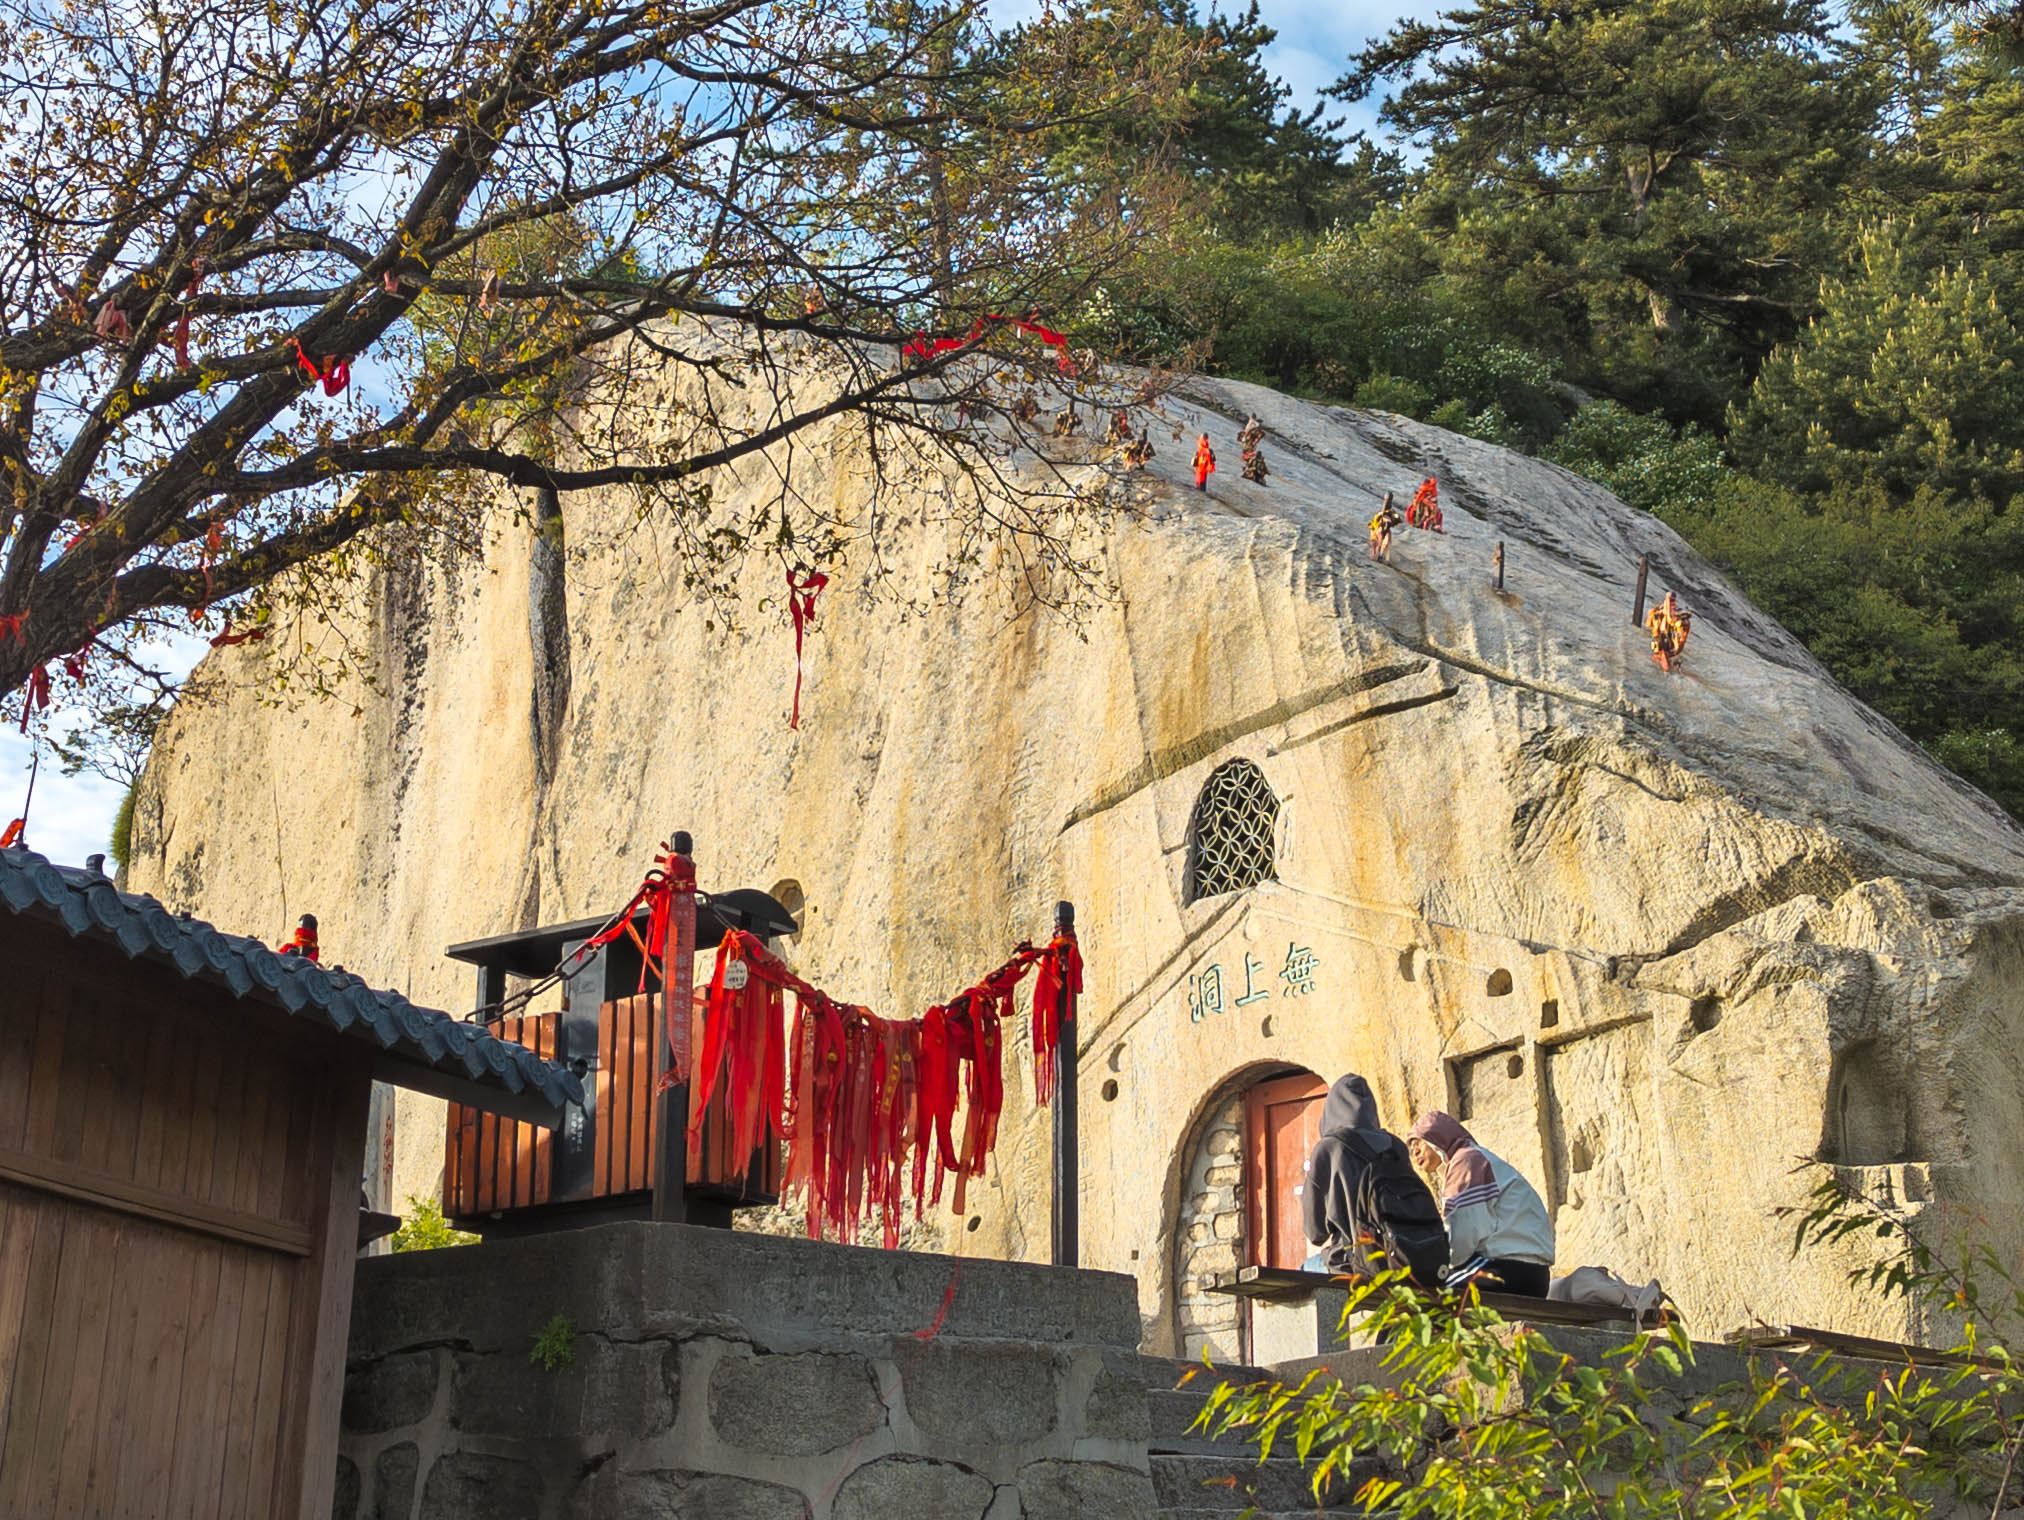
{"x":1287,"y":1285}
{"x":1784,"y":1337}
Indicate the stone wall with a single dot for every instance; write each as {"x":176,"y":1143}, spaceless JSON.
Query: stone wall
{"x":1211,"y":1237}
{"x":738,"y":1377}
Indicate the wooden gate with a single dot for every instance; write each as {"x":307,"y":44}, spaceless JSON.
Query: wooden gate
{"x":178,"y":1213}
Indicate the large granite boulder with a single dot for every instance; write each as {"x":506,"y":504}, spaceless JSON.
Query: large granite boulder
{"x":1661,"y":939}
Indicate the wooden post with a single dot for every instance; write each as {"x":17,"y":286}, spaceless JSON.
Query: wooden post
{"x":671,"y":1048}
{"x":491,"y":986}
{"x":1067,"y":1159}
{"x":1498,"y":560}
{"x":1644,"y":567}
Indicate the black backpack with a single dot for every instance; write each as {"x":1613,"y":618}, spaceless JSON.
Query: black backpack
{"x":1395,"y":1207}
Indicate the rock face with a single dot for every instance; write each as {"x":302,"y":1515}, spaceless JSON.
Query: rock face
{"x":1658,"y":940}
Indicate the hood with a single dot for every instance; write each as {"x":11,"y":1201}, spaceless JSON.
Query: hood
{"x":1443,"y":1132}
{"x":1349,"y":1106}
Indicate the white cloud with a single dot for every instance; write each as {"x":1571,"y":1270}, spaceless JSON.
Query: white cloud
{"x":70,"y":817}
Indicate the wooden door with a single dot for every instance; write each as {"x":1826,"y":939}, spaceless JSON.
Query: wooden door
{"x":1282,"y":1120}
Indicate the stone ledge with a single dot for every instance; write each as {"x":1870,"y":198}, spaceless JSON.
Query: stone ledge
{"x":636,"y":1281}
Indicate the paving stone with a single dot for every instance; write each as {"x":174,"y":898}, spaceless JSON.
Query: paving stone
{"x":1069,"y":1490}
{"x":393,"y":1482}
{"x":611,"y":1390}
{"x":979,"y":1395}
{"x":1117,"y":1408}
{"x":912,"y":1488}
{"x":697,"y":1496}
{"x":389,"y":1393}
{"x":344,"y":1496}
{"x":794,"y":1405}
{"x":464,"y":1485}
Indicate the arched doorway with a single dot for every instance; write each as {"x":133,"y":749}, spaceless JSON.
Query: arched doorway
{"x":1239,"y":1204}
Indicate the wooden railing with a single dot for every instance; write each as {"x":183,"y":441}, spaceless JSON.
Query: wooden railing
{"x":492,"y":1165}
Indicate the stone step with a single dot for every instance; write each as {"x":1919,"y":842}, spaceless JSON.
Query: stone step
{"x":1226,"y":1485}
{"x":1167,"y":1372}
{"x":1171,"y":1411}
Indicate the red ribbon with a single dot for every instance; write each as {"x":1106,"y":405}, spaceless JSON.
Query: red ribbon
{"x":801,"y":595}
{"x":183,"y":322}
{"x":1424,"y":510}
{"x":1056,"y":987}
{"x":925,"y":348}
{"x":333,"y":375}
{"x":37,"y":695}
{"x":10,"y":627}
{"x":227,"y":639}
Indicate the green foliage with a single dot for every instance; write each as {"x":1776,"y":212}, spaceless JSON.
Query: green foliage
{"x":1637,"y":188}
{"x":554,"y":1347}
{"x":1917,"y":606}
{"x":1908,"y":378}
{"x":1642,"y":458}
{"x":425,"y":1229}
{"x":122,"y":842}
{"x":1473,"y":1418}
{"x":1393,"y":393}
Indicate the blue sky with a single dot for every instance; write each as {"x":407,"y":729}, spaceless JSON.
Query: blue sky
{"x":72,"y":816}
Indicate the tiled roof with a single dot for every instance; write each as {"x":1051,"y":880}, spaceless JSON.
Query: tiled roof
{"x":89,"y":906}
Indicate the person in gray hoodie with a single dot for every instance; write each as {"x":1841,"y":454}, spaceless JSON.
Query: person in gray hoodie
{"x":1362,"y":1201}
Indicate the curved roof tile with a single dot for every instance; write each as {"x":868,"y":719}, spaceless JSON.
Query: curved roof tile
{"x":87,"y":904}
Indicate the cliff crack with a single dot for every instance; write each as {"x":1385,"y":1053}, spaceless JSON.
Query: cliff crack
{"x":1162,"y":763}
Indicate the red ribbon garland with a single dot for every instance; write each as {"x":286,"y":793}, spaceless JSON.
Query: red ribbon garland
{"x":334,"y":374}
{"x":37,"y":695}
{"x":801,"y":595}
{"x":866,"y":1105}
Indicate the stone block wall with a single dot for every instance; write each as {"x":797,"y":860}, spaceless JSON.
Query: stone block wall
{"x":1211,"y":1237}
{"x":738,"y":1377}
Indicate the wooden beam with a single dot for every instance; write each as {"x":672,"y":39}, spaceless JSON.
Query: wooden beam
{"x":319,"y":1333}
{"x":68,"y":1181}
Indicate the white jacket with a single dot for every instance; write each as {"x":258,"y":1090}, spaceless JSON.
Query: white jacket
{"x":1504,"y":1219}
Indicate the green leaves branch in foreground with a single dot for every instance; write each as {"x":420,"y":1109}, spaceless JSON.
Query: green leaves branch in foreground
{"x":1465,"y":1416}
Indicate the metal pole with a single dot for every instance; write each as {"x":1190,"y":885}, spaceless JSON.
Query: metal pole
{"x":1498,"y":561}
{"x":1067,"y":1157}
{"x":1644,"y":567}
{"x":671,"y":1050}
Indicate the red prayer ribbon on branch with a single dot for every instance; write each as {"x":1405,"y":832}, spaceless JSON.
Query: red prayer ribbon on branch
{"x":924,"y":348}
{"x":801,"y":596}
{"x":334,"y":374}
{"x":36,"y":696}
{"x":10,"y":626}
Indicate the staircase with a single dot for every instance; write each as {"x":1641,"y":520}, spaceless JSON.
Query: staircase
{"x":1200,"y":1477}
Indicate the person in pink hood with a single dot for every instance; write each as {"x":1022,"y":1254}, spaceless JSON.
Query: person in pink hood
{"x":1491,"y":1211}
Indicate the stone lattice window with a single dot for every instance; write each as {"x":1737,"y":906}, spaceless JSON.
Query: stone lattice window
{"x":1230,"y":836}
